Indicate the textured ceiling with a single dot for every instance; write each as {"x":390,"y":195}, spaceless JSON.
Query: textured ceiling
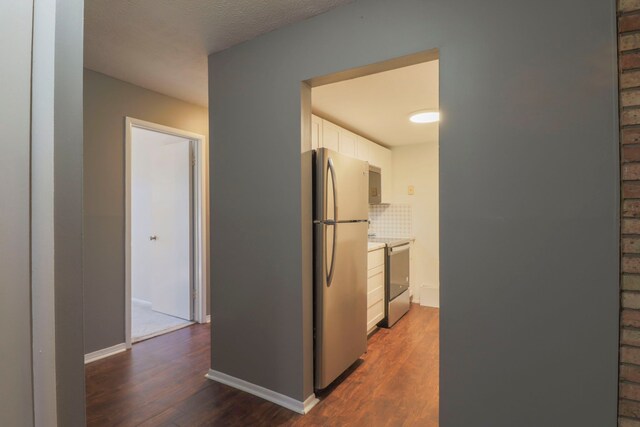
{"x":163,"y":45}
{"x":378,"y":106}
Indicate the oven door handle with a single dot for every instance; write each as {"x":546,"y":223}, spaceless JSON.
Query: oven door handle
{"x":398,"y":249}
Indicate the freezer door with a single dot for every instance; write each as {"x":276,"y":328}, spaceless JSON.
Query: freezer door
{"x":343,"y":180}
{"x":341,"y":305}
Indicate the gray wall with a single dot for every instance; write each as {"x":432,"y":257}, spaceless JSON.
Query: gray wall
{"x":68,"y":212}
{"x":15,"y":297}
{"x":107,"y":101}
{"x":65,"y":149}
{"x":528,"y":201}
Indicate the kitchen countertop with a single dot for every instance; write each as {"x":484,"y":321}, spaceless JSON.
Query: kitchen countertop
{"x":388,"y":241}
{"x":375,"y":246}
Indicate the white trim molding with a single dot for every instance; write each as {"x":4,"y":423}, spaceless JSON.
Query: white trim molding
{"x":200,"y":220}
{"x":105,"y":352}
{"x":43,"y":318}
{"x":160,"y":332}
{"x":264,"y":393}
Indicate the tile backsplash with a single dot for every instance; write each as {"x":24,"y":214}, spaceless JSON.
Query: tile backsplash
{"x":393,"y":220}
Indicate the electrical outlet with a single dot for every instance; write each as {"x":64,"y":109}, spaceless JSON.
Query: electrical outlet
{"x":411,"y":191}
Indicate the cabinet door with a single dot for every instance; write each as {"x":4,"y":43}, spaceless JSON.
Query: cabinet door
{"x":330,"y":136}
{"x":374,"y":153}
{"x":381,"y":157}
{"x":386,"y":165}
{"x":375,"y":288}
{"x":316,"y":132}
{"x":347,"y":143}
{"x":362,"y":149}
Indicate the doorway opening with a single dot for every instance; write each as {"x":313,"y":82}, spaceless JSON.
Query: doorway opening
{"x":387,"y":116}
{"x":165,"y":243}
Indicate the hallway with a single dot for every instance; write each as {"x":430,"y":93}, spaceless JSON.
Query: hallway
{"x":161,"y":382}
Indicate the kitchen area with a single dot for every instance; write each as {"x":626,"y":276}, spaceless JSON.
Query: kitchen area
{"x":375,"y":142}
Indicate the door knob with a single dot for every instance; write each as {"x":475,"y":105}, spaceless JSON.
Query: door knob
{"x":153,"y":237}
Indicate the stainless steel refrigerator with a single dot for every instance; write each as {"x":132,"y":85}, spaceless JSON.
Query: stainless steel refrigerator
{"x":341,"y":191}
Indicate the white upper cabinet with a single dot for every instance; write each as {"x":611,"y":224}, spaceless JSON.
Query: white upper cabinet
{"x":387,"y":187}
{"x":347,"y":143}
{"x":316,"y":132}
{"x":375,"y":154}
{"x":362,"y":149}
{"x":330,"y":136}
{"x":338,"y":139}
{"x":381,"y":156}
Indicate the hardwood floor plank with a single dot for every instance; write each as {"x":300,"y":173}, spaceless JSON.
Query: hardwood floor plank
{"x":161,"y":382}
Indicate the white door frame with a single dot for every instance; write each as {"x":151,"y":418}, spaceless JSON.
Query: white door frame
{"x":200,"y":216}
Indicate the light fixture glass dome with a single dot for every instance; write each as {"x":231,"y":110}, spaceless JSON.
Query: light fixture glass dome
{"x":425,"y":116}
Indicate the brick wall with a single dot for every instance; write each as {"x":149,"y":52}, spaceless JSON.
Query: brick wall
{"x":629,"y":47}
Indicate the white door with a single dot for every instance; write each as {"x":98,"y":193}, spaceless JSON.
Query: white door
{"x":171,"y":289}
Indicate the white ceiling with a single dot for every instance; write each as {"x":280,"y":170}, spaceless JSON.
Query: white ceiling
{"x":378,"y":106}
{"x":163,"y":45}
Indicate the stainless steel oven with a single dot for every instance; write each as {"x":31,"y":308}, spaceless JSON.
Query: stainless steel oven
{"x":398,"y":281}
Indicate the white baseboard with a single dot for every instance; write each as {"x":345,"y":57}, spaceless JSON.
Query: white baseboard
{"x":429,"y":296}
{"x":105,"y":352}
{"x":264,"y":393}
{"x":415,"y":296}
{"x":309,"y":403}
{"x":208,"y":318}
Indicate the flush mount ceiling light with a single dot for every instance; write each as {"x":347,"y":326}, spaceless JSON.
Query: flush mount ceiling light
{"x":425,"y":116}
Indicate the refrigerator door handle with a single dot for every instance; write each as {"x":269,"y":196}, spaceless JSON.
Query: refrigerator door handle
{"x":332,"y":264}
{"x":332,"y":170}
{"x":334,"y":225}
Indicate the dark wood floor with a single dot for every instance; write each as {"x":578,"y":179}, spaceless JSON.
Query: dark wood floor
{"x":160,"y":382}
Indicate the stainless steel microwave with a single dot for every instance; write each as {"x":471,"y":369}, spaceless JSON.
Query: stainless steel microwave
{"x":375,"y":185}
